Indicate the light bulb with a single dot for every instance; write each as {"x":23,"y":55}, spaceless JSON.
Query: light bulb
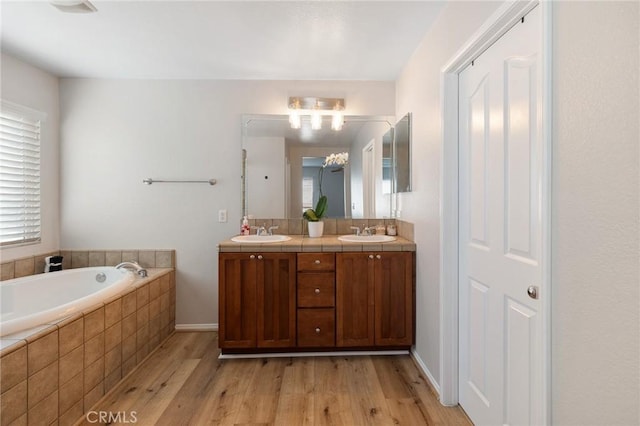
{"x":316,"y":120}
{"x":337,"y":121}
{"x":294,"y":119}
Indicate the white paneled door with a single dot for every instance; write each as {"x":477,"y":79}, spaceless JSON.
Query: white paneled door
{"x":501,"y":362}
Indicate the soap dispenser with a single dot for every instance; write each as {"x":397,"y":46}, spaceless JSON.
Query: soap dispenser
{"x":245,"y":229}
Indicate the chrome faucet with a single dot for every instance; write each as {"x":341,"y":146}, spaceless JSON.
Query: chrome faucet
{"x":356,"y":229}
{"x":133,"y":266}
{"x":260,"y":230}
{"x":366,"y":230}
{"x":270,"y":230}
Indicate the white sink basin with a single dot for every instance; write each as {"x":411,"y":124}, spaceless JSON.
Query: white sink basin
{"x":260,"y":238}
{"x":366,"y":238}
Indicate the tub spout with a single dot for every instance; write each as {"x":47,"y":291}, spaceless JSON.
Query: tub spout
{"x":133,"y":266}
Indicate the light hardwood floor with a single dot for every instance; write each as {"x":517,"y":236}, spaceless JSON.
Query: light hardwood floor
{"x":184,"y":383}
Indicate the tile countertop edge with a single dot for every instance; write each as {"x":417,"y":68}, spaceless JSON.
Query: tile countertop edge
{"x":327,"y":243}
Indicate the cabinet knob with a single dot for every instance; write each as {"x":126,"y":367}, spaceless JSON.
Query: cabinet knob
{"x":260,"y":257}
{"x":317,"y":291}
{"x":370,"y":256}
{"x":253,"y":256}
{"x":317,"y":262}
{"x":318,"y":330}
{"x":378,"y":256}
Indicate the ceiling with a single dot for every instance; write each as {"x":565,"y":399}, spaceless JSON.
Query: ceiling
{"x":263,"y":40}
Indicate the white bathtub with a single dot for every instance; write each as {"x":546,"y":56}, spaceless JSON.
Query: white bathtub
{"x":45,"y":298}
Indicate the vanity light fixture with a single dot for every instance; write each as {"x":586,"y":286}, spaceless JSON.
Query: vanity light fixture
{"x":74,"y":6}
{"x":316,"y":108}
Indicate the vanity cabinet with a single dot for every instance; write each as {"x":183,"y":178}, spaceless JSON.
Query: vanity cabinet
{"x":374,"y":299}
{"x":257,"y":300}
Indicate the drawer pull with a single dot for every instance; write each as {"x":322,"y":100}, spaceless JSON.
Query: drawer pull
{"x":317,"y":262}
{"x":260,"y":256}
{"x":317,"y":291}
{"x":370,"y":256}
{"x":378,"y":256}
{"x":317,"y":330}
{"x":253,"y":256}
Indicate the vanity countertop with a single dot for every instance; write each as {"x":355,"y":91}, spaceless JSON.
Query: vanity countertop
{"x":327,"y":243}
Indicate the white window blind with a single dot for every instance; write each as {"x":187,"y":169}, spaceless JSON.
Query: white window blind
{"x":19,"y":175}
{"x":307,"y":193}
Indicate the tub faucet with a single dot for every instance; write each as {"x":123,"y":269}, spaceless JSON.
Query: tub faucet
{"x":133,"y":266}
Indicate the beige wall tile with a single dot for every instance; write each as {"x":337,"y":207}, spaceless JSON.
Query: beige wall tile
{"x":42,"y":352}
{"x":129,"y":303}
{"x":71,"y":364}
{"x":112,"y":258}
{"x":93,"y":396}
{"x":112,"y":312}
{"x":72,"y":415}
{"x":94,"y":373}
{"x":71,"y":336}
{"x":97,"y":258}
{"x":154,"y":308}
{"x":24,"y":267}
{"x":142,"y":296}
{"x":79,"y":259}
{"x":164,"y":301}
{"x":129,"y":255}
{"x":13,"y":402}
{"x":13,"y":369}
{"x":154,"y":289}
{"x":147,"y":258}
{"x":93,"y":349}
{"x":330,"y":226}
{"x":296,"y":226}
{"x":343,"y":226}
{"x":142,"y":337}
{"x":142,"y":353}
{"x":154,"y":328}
{"x":45,"y":412}
{"x":129,"y":347}
{"x":154,"y":340}
{"x":165,"y":283}
{"x":111,"y":380}
{"x":21,"y":421}
{"x":66,"y":259}
{"x":128,"y":365}
{"x":165,"y":319}
{"x":164,"y":259}
{"x":42,"y":384}
{"x":129,"y":325}
{"x":71,"y":393}
{"x":113,"y":336}
{"x":283,"y":226}
{"x":142,"y":316}
{"x":113,"y":359}
{"x":40,"y":261}
{"x":7,"y":271}
{"x":93,"y":323}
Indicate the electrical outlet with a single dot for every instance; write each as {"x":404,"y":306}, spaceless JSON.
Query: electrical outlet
{"x":222,"y":216}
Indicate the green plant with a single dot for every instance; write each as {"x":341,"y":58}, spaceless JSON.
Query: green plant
{"x":314,"y":215}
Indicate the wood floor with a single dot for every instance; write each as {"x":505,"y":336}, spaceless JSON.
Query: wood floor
{"x":184,"y":383}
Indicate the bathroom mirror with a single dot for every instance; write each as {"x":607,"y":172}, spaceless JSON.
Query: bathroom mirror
{"x":402,"y":155}
{"x":281,"y":167}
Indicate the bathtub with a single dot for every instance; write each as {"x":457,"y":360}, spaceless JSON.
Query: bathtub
{"x":46,"y":298}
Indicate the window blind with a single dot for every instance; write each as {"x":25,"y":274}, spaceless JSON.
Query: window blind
{"x":19,"y":177}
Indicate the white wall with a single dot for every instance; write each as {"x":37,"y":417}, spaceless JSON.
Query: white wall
{"x":115,"y":133}
{"x":595,"y":220}
{"x":418,"y":92}
{"x":26,"y":85}
{"x":595,"y":300}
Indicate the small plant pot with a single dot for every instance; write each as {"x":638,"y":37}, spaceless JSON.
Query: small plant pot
{"x":316,"y":229}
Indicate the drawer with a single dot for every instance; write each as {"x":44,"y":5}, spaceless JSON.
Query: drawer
{"x":316,"y":261}
{"x":316,"y":290}
{"x":316,"y":327}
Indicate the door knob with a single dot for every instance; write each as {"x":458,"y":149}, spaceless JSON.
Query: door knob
{"x":317,"y":291}
{"x":318,"y":330}
{"x":253,"y":256}
{"x":260,"y":256}
{"x":317,"y":262}
{"x":378,"y":256}
{"x":532,"y":291}
{"x":370,"y":256}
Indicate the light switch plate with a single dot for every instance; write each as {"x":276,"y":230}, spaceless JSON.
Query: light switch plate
{"x":222,"y":216}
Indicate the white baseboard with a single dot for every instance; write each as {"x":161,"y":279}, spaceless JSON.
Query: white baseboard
{"x":426,"y":371}
{"x":197,"y":327}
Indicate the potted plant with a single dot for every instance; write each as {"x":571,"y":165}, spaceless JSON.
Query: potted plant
{"x":314,"y":216}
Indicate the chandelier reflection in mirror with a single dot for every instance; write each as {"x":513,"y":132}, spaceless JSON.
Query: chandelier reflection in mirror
{"x":316,"y":108}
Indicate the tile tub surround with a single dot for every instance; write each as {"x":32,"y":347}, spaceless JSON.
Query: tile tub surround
{"x":61,"y":370}
{"x":33,"y":265}
{"x":332,"y":226}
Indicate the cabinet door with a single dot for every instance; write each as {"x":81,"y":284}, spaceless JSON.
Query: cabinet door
{"x":394,"y":299}
{"x":354,"y":299}
{"x":237,"y":300}
{"x":276,"y":291}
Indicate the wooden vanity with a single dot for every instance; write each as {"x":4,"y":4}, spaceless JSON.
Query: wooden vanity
{"x":316,"y":294}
